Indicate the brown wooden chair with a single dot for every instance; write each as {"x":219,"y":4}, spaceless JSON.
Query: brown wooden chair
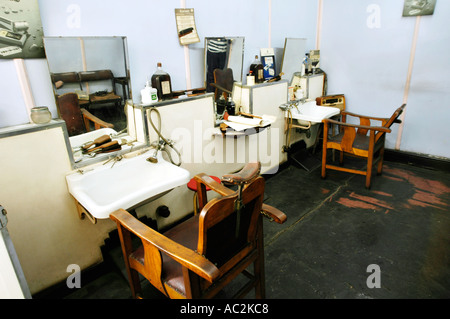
{"x":107,"y":96}
{"x":361,"y":140}
{"x":200,"y":256}
{"x":78,"y":120}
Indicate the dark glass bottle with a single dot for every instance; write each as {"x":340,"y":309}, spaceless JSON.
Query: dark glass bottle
{"x":258,"y":70}
{"x":161,"y":82}
{"x":221,"y":105}
{"x":231,"y":107}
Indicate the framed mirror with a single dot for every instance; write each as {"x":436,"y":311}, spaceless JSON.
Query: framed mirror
{"x":223,"y":53}
{"x":91,"y":83}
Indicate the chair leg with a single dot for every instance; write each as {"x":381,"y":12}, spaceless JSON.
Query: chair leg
{"x":135,"y":284}
{"x":260,"y":287}
{"x":380,"y":162}
{"x":324,"y":162}
{"x":133,"y":276}
{"x":195,"y":203}
{"x":369,"y":171}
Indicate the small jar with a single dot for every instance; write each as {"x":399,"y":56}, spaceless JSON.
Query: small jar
{"x":40,"y":115}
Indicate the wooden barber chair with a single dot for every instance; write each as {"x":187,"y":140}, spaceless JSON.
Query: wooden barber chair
{"x":200,"y":256}
{"x":78,"y":120}
{"x":363,"y":140}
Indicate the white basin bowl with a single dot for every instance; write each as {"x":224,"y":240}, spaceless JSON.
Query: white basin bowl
{"x":126,"y":184}
{"x":310,"y":112}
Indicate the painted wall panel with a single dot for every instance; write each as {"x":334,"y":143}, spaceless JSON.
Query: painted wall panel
{"x":426,"y":127}
{"x":366,"y":48}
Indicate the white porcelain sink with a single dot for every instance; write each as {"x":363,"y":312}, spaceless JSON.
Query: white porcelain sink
{"x":126,"y":184}
{"x":310,"y":112}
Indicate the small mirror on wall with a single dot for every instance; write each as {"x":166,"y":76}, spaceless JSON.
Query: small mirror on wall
{"x":294,"y":52}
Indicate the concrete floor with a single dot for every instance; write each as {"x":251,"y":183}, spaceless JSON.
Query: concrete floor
{"x":336,"y":229}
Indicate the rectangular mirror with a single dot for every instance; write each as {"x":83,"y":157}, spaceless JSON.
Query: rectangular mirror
{"x":91,"y":83}
{"x":294,"y":52}
{"x":223,"y":53}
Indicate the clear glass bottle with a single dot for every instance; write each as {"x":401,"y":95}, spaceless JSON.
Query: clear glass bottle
{"x":161,"y":82}
{"x":258,"y":70}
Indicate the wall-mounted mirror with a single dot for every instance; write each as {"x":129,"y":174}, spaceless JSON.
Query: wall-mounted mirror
{"x":294,"y":52}
{"x":91,"y":82}
{"x":223,"y":53}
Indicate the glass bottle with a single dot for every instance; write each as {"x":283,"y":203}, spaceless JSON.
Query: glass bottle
{"x":258,"y":70}
{"x":221,"y":105}
{"x":161,"y":82}
{"x":231,"y":107}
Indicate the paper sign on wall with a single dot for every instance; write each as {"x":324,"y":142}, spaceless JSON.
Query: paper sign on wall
{"x":187,"y":32}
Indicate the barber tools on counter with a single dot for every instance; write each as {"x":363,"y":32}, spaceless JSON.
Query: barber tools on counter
{"x":102,"y":144}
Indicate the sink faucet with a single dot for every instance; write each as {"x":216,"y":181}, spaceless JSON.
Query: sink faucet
{"x":158,"y":147}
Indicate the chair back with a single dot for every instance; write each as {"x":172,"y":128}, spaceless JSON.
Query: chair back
{"x":96,"y":75}
{"x":102,"y":78}
{"x":393,"y":119}
{"x":69,"y":110}
{"x":224,"y":79}
{"x":225,"y":232}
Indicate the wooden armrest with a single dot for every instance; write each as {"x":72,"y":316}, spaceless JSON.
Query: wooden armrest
{"x":185,"y":256}
{"x":214,"y":185}
{"x":373,"y":128}
{"x":88,"y":115}
{"x":221,"y":88}
{"x":273,"y":213}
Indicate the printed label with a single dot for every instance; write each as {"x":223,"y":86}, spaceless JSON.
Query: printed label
{"x":165,"y":87}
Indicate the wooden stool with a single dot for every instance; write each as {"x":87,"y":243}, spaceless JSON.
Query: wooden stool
{"x":192,"y":185}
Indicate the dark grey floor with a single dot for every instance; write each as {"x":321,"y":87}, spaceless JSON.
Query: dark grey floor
{"x":336,"y":228}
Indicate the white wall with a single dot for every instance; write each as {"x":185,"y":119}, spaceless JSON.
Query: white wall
{"x":368,"y":65}
{"x":366,"y":48}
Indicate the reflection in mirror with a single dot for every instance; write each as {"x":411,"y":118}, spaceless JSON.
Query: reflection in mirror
{"x":223,"y":53}
{"x":96,"y":69}
{"x":91,"y":83}
{"x":294,"y":52}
